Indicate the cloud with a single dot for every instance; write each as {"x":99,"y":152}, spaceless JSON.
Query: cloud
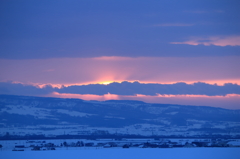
{"x":22,"y":89}
{"x":230,"y":101}
{"x":124,"y":88}
{"x":204,"y":11}
{"x":227,"y":96}
{"x":116,"y":28}
{"x":103,"y":97}
{"x":134,"y":88}
{"x":173,"y":25}
{"x":214,"y":40}
{"x":197,"y":11}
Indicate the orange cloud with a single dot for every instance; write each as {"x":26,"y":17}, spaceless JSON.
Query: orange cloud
{"x":214,"y":40}
{"x":85,"y":96}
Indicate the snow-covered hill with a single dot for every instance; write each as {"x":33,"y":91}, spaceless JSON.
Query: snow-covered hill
{"x":21,"y":115}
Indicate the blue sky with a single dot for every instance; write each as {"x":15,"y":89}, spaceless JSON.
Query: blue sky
{"x":79,"y":42}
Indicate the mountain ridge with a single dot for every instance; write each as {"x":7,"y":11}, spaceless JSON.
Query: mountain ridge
{"x":114,"y":115}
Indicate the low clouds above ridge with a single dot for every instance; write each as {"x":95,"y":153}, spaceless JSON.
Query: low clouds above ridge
{"x":124,"y":88}
{"x":203,"y":94}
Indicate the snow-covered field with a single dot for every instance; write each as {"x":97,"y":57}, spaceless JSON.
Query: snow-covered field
{"x":62,"y":152}
{"x":132,"y":153}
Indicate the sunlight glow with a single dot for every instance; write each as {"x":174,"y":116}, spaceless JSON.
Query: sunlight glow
{"x":105,"y":70}
{"x":105,"y":82}
{"x":85,"y":96}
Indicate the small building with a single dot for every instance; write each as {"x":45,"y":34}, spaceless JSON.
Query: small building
{"x":36,"y":148}
{"x":19,"y":146}
{"x":125,"y":146}
{"x":107,"y":146}
{"x":235,"y":143}
{"x":90,"y":144}
{"x":51,"y":148}
{"x":17,"y":149}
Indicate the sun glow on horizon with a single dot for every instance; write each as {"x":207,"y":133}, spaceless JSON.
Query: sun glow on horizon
{"x":109,"y":69}
{"x":188,"y":99}
{"x":106,"y":82}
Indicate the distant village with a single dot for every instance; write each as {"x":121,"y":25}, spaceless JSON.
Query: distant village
{"x":44,"y":145}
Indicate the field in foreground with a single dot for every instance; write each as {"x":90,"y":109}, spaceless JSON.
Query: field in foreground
{"x":175,"y":153}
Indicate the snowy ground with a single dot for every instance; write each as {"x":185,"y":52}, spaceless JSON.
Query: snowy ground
{"x":132,"y":153}
{"x":115,"y":152}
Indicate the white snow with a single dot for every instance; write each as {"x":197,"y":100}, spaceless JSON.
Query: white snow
{"x":234,"y":143}
{"x":26,"y":110}
{"x":172,"y":113}
{"x":131,"y":153}
{"x":114,"y":117}
{"x":73,"y":113}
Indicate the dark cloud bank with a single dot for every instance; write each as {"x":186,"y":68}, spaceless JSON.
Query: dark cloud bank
{"x":124,"y":88}
{"x":57,"y":29}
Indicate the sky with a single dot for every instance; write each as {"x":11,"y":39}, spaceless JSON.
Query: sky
{"x":168,"y":51}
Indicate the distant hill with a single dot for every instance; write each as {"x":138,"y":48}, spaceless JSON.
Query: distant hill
{"x":52,"y":116}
